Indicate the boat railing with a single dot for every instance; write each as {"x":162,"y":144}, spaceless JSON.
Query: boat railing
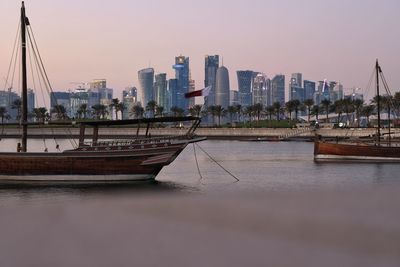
{"x":135,"y":141}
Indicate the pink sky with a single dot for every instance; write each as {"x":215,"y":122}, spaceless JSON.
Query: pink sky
{"x":86,"y":39}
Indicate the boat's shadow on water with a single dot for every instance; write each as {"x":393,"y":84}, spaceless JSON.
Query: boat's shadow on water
{"x":136,"y":187}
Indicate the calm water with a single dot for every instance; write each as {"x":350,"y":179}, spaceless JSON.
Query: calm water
{"x":260,"y":166}
{"x":188,"y":219}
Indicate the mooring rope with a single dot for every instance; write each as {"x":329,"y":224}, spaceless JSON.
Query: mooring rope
{"x":197,"y":162}
{"x":228,"y":172}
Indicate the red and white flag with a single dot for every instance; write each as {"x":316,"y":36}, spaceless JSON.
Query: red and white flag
{"x":202,"y":92}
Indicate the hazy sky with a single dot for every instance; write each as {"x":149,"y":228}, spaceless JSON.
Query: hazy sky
{"x":82,"y":40}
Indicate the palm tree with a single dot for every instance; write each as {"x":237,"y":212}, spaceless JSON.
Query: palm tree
{"x":195,"y":110}
{"x":316,"y":110}
{"x":137,"y":111}
{"x":367,"y":111}
{"x":348,"y":107}
{"x":211,"y":111}
{"x":269,"y":112}
{"x":40,"y":114}
{"x":17,"y":104}
{"x":296,"y":107}
{"x":326,"y":103}
{"x":277,"y":107}
{"x":151,"y":107}
{"x":178,"y":112}
{"x":83,"y":110}
{"x":358,"y":105}
{"x":61,"y":112}
{"x":249,"y":111}
{"x":239,"y":111}
{"x":232,"y":111}
{"x":309,"y":103}
{"x":338,"y":108}
{"x":113,"y":106}
{"x":159,"y":111}
{"x":121,"y":108}
{"x":100,"y":111}
{"x":258,"y":109}
{"x":289,"y":108}
{"x":3,"y":113}
{"x":219,"y":111}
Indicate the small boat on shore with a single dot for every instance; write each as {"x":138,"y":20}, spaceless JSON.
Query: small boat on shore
{"x":359,"y":150}
{"x":97,"y":161}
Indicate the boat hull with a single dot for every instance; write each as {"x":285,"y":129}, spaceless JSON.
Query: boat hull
{"x":86,"y":166}
{"x":324,"y":151}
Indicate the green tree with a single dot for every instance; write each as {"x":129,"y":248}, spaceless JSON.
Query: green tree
{"x":258,"y":109}
{"x":309,"y":103}
{"x":100,"y":111}
{"x":151,"y":107}
{"x":195,"y":110}
{"x":60,"y":111}
{"x":177,"y":112}
{"x":159,"y":111}
{"x":232,"y":111}
{"x":277,"y":107}
{"x":358,"y":105}
{"x":326,"y":103}
{"x":137,"y":111}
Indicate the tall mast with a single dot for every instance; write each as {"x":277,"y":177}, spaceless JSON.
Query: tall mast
{"x":24,"y":82}
{"x":378,"y":102}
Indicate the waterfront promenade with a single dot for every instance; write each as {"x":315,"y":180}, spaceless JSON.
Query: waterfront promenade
{"x":211,"y":133}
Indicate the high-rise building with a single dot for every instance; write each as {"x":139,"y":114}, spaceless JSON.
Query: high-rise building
{"x":233,"y":97}
{"x":260,"y":89}
{"x":161,"y":91}
{"x":173,"y":92}
{"x":296,"y":90}
{"x":61,"y":98}
{"x":129,"y":98}
{"x":309,"y":89}
{"x":98,"y":83}
{"x":181,"y":68}
{"x":192,"y":87}
{"x":278,"y":89}
{"x":210,"y":73}
{"x":222,"y":87}
{"x":146,"y":90}
{"x":244,"y":82}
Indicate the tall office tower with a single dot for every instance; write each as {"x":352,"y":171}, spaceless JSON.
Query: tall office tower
{"x":210,"y":73}
{"x":309,"y":89}
{"x":129,"y":98}
{"x":146,"y":90}
{"x":323,"y":90}
{"x":233,"y":97}
{"x":181,"y":68}
{"x":278,"y":89}
{"x":245,"y":78}
{"x":31,"y":100}
{"x":296,"y":90}
{"x":161,"y":91}
{"x":260,"y":89}
{"x":222,"y":87}
{"x":173,"y":92}
{"x":192,"y":87}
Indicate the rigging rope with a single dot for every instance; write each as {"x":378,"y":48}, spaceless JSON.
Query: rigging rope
{"x":197,"y":162}
{"x":228,"y":172}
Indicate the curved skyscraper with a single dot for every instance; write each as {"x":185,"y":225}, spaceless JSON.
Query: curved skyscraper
{"x":222,"y":87}
{"x":245,"y":78}
{"x":146,"y":90}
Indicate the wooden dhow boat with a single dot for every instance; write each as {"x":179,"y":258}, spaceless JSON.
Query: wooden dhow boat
{"x":358,"y":150}
{"x":139,"y":158}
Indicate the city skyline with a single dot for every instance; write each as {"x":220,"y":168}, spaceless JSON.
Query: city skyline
{"x":335,"y":40}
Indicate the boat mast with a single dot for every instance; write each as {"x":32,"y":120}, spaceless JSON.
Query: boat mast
{"x":378,"y":102}
{"x":24,"y":81}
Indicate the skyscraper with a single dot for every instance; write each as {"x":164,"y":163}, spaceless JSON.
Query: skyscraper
{"x":173,"y":92}
{"x":260,"y":89}
{"x":161,"y":91}
{"x":278,"y":89}
{"x":210,"y":73}
{"x":244,"y":81}
{"x":309,"y":89}
{"x":295,"y":87}
{"x":181,"y":68}
{"x":222,"y":87}
{"x":146,"y":90}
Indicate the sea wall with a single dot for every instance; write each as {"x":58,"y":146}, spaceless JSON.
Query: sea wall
{"x":217,"y":133}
